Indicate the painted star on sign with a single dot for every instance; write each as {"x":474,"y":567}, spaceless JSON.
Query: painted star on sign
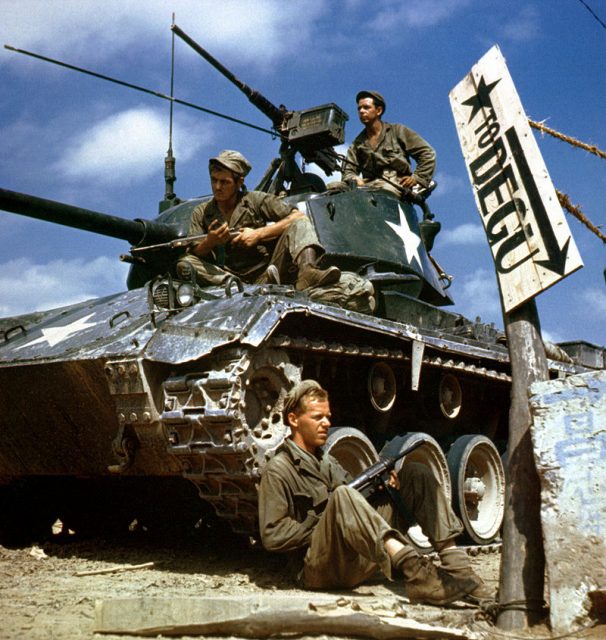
{"x":411,"y":240}
{"x":481,"y":99}
{"x":54,"y":335}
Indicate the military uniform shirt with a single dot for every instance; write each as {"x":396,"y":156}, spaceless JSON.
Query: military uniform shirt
{"x":293,"y":493}
{"x":391,"y":157}
{"x":254,"y":210}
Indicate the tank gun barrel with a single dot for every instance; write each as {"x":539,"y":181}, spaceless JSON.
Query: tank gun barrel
{"x":134,"y":231}
{"x":275,"y":114}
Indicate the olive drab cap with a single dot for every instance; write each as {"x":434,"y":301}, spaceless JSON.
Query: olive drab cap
{"x":297,"y":392}
{"x":232,"y":160}
{"x":375,"y":95}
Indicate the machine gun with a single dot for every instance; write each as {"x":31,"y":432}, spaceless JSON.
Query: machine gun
{"x":312,"y":132}
{"x":376,"y":475}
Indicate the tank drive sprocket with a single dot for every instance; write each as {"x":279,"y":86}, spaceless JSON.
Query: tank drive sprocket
{"x":223,"y":422}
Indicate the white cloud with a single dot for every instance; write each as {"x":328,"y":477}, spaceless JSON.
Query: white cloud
{"x":595,"y":299}
{"x":448,"y":184}
{"x":26,"y":286}
{"x":395,"y":14}
{"x":524,"y":26}
{"x":92,"y":31}
{"x":128,"y":145}
{"x":550,"y":336}
{"x":465,"y":234}
{"x":478,"y":293}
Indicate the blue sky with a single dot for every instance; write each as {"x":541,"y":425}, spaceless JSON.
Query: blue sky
{"x":76,"y":139}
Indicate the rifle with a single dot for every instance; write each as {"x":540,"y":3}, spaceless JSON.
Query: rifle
{"x":178,"y":243}
{"x":377,"y":474}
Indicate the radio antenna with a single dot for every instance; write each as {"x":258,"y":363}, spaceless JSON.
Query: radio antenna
{"x":170,"y":175}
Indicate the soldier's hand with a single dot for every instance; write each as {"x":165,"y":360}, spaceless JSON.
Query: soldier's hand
{"x":218,"y":233}
{"x":246,"y":237}
{"x":394,"y":481}
{"x":408,"y":181}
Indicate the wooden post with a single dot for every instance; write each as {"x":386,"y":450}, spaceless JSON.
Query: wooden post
{"x":523,"y":559}
{"x":532,"y":248}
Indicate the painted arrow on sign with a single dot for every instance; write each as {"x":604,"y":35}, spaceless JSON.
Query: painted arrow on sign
{"x":556,"y":260}
{"x":531,"y":243}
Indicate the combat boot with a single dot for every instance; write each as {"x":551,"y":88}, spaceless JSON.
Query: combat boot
{"x":270,"y":276}
{"x":426,"y":584}
{"x":310,"y":276}
{"x":456,"y":563}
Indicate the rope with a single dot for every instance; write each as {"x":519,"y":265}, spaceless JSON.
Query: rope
{"x":592,"y":148}
{"x":490,"y":611}
{"x":579,"y":215}
{"x":530,"y":604}
{"x":579,"y":633}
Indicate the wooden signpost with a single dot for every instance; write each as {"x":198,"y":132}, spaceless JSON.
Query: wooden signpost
{"x":532,"y":248}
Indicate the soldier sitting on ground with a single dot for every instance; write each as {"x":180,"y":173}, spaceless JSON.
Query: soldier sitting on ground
{"x":304,"y":506}
{"x":273,"y":241}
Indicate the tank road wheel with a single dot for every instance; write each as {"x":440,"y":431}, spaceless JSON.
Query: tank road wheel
{"x":351,"y":448}
{"x":479,"y":486}
{"x":431,"y":455}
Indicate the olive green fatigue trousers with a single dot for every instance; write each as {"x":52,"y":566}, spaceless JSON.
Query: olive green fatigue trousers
{"x":296,"y":237}
{"x":347,"y":544}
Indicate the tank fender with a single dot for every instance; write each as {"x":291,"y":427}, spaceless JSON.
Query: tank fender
{"x":248,"y":319}
{"x":109,"y":327}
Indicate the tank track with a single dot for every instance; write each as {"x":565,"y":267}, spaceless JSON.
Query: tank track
{"x":335,"y":348}
{"x":223,"y":422}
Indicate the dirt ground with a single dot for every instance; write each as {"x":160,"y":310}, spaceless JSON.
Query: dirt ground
{"x":43,"y":597}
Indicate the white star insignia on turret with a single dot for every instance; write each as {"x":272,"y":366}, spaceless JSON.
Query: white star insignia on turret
{"x":411,"y":240}
{"x":54,"y":335}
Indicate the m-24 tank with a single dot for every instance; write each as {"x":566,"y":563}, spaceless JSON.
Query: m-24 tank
{"x":149,"y":404}
{"x":106,"y":405}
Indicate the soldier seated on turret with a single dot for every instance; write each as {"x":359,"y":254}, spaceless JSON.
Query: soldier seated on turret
{"x":380,"y":155}
{"x":253,"y":235}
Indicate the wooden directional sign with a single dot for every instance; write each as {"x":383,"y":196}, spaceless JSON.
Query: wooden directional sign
{"x":529,"y":237}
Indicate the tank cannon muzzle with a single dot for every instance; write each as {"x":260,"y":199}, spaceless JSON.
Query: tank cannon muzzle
{"x":136,"y":232}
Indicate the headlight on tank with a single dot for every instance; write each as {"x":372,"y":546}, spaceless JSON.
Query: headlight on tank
{"x":185,"y":294}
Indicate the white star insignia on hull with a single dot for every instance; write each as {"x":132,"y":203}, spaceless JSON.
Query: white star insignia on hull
{"x":54,"y":335}
{"x":411,"y":240}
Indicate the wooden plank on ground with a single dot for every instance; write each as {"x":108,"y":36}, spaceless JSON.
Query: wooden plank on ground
{"x":259,"y":616}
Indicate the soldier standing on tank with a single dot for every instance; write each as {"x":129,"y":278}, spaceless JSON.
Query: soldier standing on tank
{"x":253,"y":235}
{"x":380,"y":155}
{"x":305,"y":507}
